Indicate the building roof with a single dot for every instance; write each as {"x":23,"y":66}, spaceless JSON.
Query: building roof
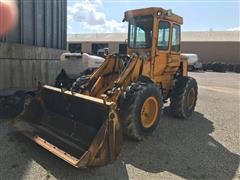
{"x":97,"y":37}
{"x":211,"y":36}
{"x":201,"y":36}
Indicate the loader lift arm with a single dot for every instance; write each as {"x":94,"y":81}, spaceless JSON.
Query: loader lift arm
{"x":111,"y":75}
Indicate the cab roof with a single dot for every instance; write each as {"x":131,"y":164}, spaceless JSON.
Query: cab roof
{"x":155,"y":11}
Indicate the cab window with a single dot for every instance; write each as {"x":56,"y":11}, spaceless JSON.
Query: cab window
{"x":175,"y":38}
{"x":163,"y":35}
{"x":140,"y":32}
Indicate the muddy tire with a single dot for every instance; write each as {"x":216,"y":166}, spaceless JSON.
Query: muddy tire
{"x":204,"y":67}
{"x":77,"y":85}
{"x":209,"y":66}
{"x":219,"y":67}
{"x":237,"y":68}
{"x":140,"y":109}
{"x":184,"y":97}
{"x":230,"y":67}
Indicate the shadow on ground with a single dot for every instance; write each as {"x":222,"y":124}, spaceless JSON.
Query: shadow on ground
{"x":184,"y":148}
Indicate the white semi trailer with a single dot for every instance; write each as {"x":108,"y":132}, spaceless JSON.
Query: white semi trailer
{"x":75,"y":64}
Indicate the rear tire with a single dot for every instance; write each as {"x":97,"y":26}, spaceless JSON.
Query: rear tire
{"x":231,"y":68}
{"x":204,"y":67}
{"x":140,"y":109}
{"x":237,"y":68}
{"x":219,"y":67}
{"x":184,"y":97}
{"x":209,"y":66}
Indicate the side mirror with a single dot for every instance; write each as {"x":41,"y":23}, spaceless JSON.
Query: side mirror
{"x":126,"y":41}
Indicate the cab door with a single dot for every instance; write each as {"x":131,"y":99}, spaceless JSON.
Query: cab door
{"x":174,"y":56}
{"x":162,"y":48}
{"x":167,"y":54}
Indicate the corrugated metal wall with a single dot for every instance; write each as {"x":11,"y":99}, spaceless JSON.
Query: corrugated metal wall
{"x":23,"y":65}
{"x":40,"y":23}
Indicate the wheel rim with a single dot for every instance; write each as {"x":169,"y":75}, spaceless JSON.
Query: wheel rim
{"x":191,"y":98}
{"x":149,"y":112}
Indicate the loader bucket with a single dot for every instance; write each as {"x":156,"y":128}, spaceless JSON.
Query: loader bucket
{"x":82,"y":130}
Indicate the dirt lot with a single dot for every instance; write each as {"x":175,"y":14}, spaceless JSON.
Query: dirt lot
{"x":204,"y":147}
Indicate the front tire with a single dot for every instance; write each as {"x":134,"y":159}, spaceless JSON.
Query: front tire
{"x":184,"y":97}
{"x":140,"y":109}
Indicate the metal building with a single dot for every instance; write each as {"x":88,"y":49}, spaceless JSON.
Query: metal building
{"x":31,"y":52}
{"x":40,"y":23}
{"x":216,"y":46}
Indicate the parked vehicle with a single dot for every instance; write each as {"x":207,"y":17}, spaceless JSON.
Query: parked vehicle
{"x":74,"y":65}
{"x":193,"y":62}
{"x":103,"y":52}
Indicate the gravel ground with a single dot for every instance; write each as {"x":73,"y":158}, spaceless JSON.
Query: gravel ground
{"x":204,"y":147}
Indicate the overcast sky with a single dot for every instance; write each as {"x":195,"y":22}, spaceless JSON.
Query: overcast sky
{"x":98,"y":16}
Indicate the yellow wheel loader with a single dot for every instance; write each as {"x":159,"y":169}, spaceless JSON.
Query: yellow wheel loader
{"x":84,"y":125}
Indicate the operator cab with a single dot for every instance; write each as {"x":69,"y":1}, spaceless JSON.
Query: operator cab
{"x":155,"y":34}
{"x":144,"y":24}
